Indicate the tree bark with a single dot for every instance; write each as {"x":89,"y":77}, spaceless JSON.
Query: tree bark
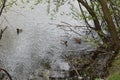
{"x":95,"y":20}
{"x":110,"y":23}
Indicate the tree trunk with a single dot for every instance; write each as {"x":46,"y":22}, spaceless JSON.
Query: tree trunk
{"x":110,"y":23}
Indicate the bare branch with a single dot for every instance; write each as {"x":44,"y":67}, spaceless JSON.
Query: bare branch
{"x":62,"y":25}
{"x":3,"y":6}
{"x":85,"y":17}
{"x":2,"y":31}
{"x":71,"y":64}
{"x":92,"y":13}
{"x":6,"y":73}
{"x":70,"y":27}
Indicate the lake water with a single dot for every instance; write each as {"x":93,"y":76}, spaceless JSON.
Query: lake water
{"x":22,"y":53}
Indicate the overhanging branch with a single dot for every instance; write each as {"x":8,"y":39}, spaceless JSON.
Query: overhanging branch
{"x":3,"y":6}
{"x":92,"y":13}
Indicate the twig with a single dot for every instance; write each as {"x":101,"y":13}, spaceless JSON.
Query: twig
{"x":65,"y":57}
{"x":69,"y":26}
{"x":1,"y":22}
{"x":7,"y":21}
{"x":4,"y":2}
{"x":2,"y":31}
{"x":60,"y":25}
{"x":6,"y":73}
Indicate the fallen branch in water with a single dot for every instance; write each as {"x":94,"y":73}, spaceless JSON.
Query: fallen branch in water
{"x":1,"y":69}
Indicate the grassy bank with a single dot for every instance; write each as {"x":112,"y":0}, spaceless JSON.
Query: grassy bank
{"x":114,"y":70}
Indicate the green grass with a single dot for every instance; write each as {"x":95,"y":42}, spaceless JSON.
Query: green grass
{"x":114,"y":70}
{"x":115,"y":76}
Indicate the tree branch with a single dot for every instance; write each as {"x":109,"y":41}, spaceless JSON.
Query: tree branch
{"x":2,"y":31}
{"x":3,"y":6}
{"x":6,"y":73}
{"x":95,"y":20}
{"x":92,"y":13}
